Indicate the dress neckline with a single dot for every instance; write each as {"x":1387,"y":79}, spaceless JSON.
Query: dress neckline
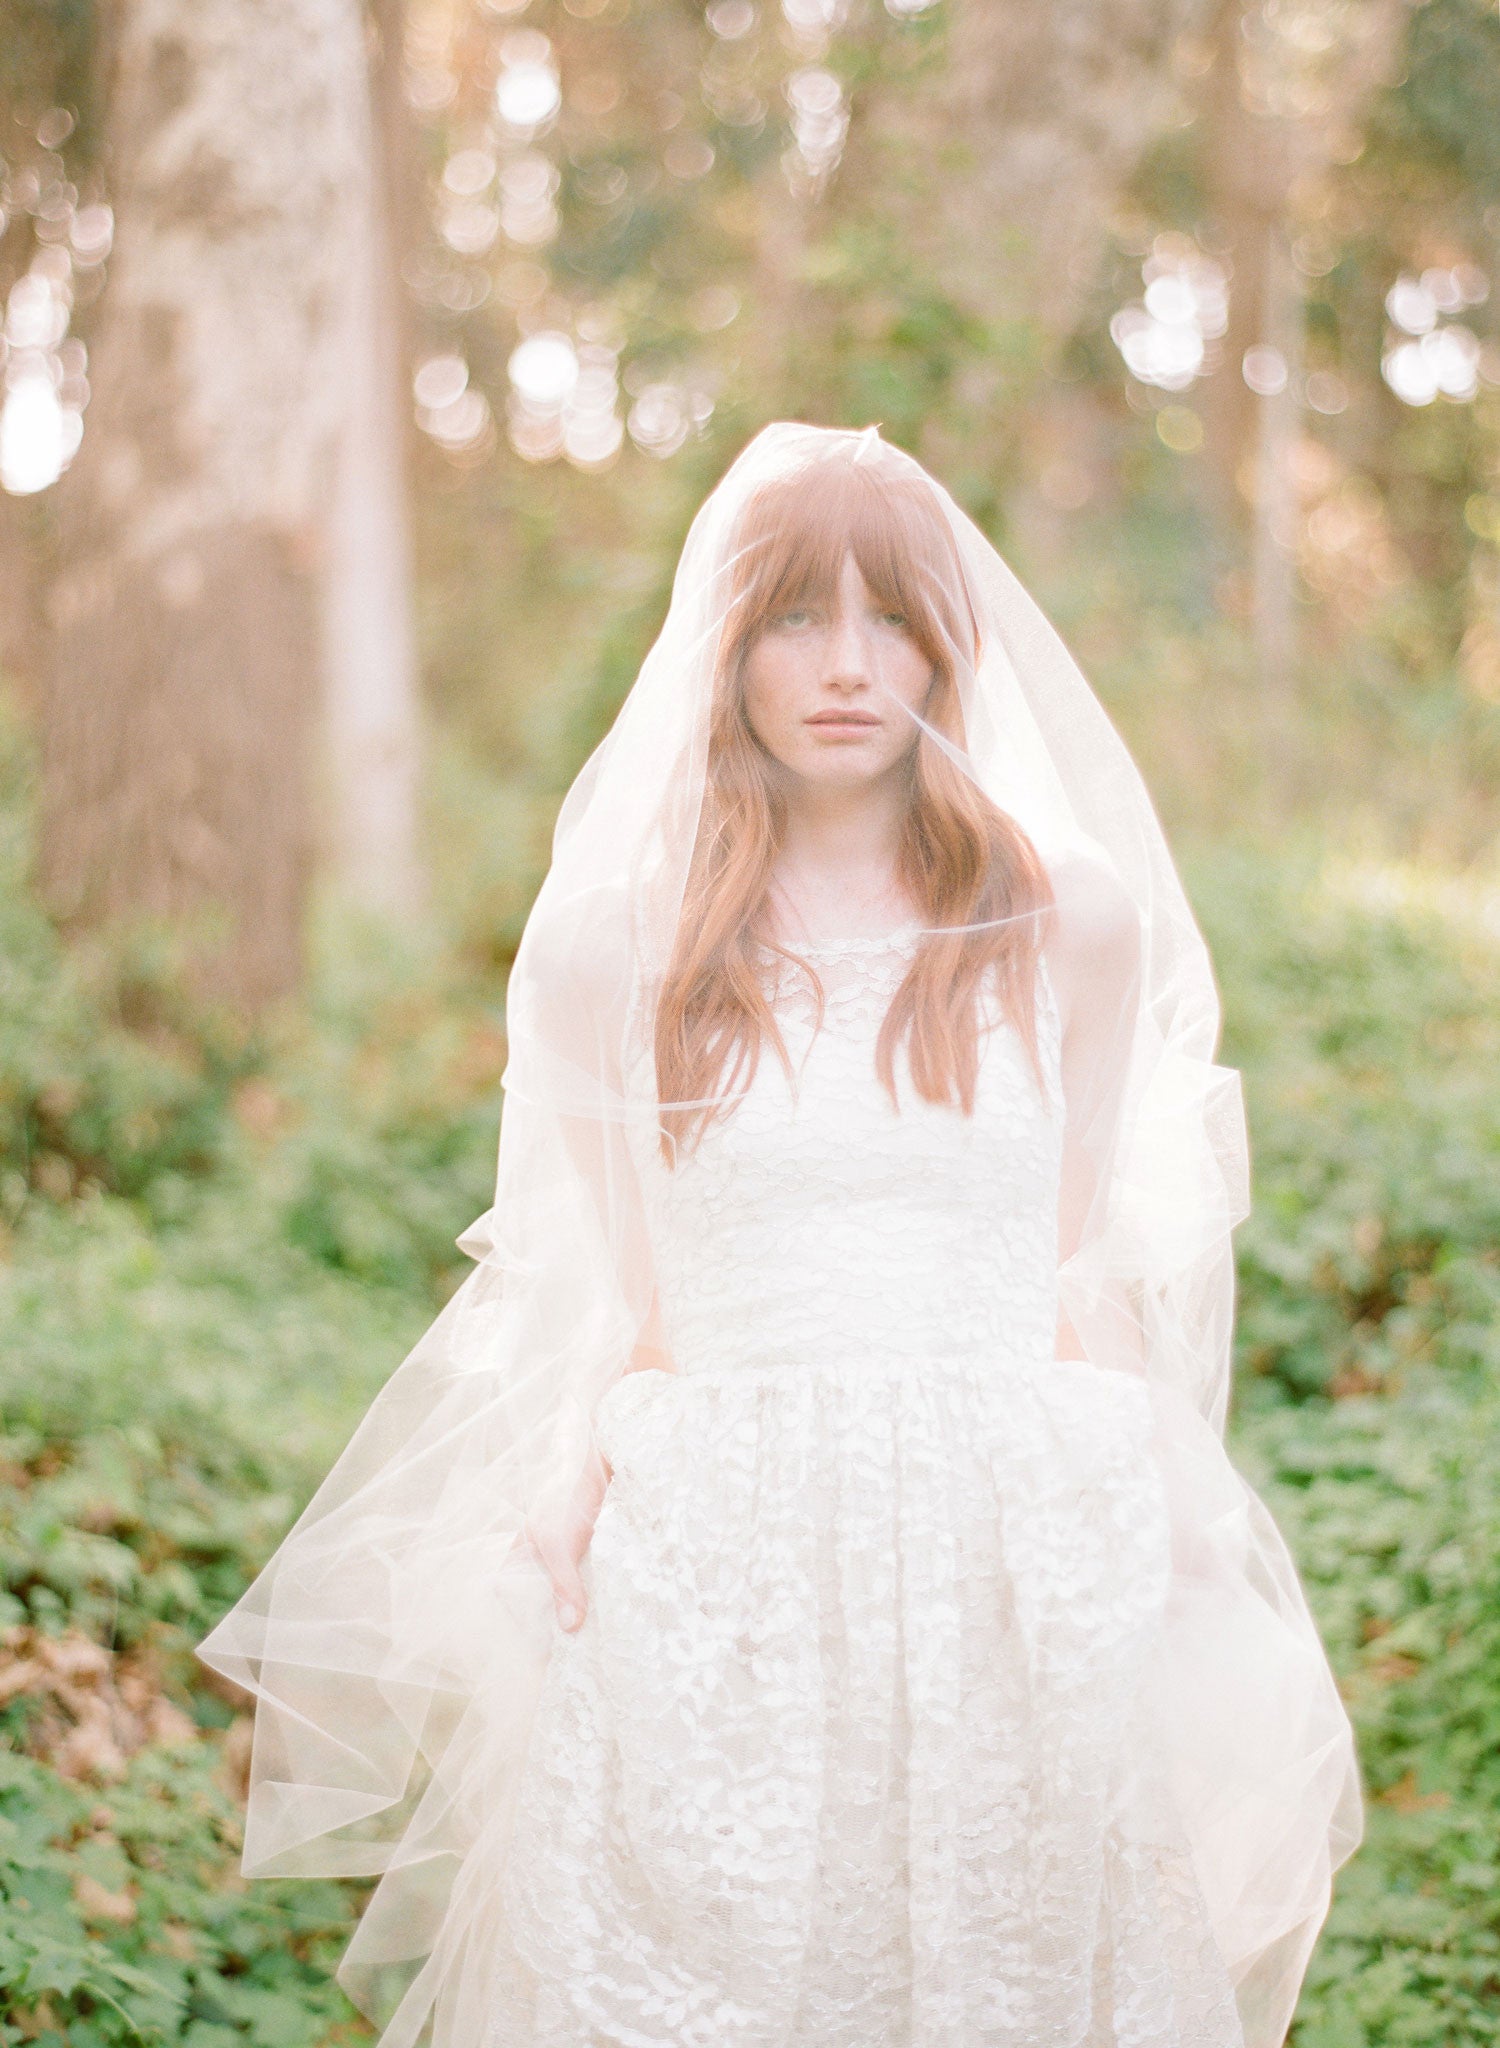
{"x":873,"y":942}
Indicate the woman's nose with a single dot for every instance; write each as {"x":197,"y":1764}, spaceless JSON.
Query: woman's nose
{"x":849,"y":651}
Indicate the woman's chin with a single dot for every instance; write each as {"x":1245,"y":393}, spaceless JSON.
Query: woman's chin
{"x":848,"y":766}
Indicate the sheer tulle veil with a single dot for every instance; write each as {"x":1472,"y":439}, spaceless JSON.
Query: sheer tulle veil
{"x":396,"y":1641}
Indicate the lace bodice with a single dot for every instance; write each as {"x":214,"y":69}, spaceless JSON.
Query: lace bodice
{"x":817,"y":1223}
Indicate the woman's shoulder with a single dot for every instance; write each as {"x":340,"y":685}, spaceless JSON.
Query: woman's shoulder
{"x":1093,"y":945}
{"x":1093,"y":910}
{"x":578,"y":946}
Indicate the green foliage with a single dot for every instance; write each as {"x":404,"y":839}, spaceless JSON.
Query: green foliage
{"x":187,"y":1335}
{"x":170,"y":1400}
{"x":1362,"y":1006}
{"x":109,"y":1078}
{"x":1441,"y":123}
{"x":123,"y":1921}
{"x":1370,"y":1037}
{"x":1392,"y":1508}
{"x":152,"y":1457}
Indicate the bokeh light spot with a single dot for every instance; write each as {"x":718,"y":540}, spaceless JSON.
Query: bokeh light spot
{"x":1164,"y":336}
{"x":1442,"y":364}
{"x":688,"y":157}
{"x":469,"y":172}
{"x":544,"y":368}
{"x":1179,"y":428}
{"x":1327,"y":392}
{"x":528,"y":93}
{"x":440,"y":381}
{"x":1264,"y":369}
{"x":38,"y":435}
{"x":731,"y":19}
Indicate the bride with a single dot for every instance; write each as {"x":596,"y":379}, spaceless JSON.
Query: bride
{"x":795,"y":1596}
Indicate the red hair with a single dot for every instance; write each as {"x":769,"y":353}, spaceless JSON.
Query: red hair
{"x":961,"y":858}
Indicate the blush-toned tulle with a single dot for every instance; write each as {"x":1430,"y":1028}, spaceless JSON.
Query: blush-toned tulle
{"x":401,"y":1640}
{"x":926,"y":1695}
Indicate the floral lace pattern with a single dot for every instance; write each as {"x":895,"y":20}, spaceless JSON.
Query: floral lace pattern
{"x":840,"y":1756}
{"x":822,"y":1222}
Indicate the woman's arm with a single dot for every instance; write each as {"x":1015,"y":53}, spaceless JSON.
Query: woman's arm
{"x":582,"y":1174}
{"x":1094,"y":956}
{"x":560,"y":1541}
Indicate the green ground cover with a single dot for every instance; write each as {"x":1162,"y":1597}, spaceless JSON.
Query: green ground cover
{"x":1364,"y":1007}
{"x":214,"y":1250}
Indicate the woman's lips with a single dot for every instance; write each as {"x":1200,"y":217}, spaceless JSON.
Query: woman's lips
{"x":844,"y":721}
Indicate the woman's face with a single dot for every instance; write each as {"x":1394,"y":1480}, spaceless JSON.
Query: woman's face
{"x":829,"y":688}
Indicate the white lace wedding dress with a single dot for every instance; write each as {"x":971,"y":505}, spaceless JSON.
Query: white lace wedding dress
{"x":842,"y":1756}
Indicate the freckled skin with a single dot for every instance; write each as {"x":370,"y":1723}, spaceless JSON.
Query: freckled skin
{"x":850,"y":658}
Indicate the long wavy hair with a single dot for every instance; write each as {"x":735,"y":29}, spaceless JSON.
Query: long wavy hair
{"x":961,"y":859}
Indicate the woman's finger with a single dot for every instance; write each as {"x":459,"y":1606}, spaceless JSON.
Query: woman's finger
{"x":569,"y":1596}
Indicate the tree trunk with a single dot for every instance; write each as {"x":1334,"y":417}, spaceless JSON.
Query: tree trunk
{"x":179,"y":710}
{"x":1274,"y":551}
{"x":372,"y":725}
{"x":20,"y":635}
{"x":1273,"y":113}
{"x":1250,"y":160}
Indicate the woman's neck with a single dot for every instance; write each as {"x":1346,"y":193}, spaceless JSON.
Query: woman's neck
{"x":837,"y":873}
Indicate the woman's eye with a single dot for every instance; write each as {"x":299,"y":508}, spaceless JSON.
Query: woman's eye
{"x":894,"y":618}
{"x":794,"y":618}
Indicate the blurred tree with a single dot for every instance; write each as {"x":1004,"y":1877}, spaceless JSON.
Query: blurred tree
{"x":1004,"y":168}
{"x":44,"y":147}
{"x":20,"y":624}
{"x":1422,"y":206}
{"x":180,"y":708}
{"x":372,"y":724}
{"x":1287,"y":87}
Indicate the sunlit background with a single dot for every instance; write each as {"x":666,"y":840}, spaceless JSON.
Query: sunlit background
{"x":1191,"y":304}
{"x":363,"y":364}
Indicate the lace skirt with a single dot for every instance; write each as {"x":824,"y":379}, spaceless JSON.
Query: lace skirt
{"x":847,"y":1752}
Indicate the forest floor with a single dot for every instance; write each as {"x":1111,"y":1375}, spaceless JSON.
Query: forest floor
{"x":212,"y":1253}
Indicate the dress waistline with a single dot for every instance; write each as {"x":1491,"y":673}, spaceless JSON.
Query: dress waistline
{"x":950,"y":1361}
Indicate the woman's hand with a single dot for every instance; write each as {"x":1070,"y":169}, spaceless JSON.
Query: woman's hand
{"x":559,"y":1542}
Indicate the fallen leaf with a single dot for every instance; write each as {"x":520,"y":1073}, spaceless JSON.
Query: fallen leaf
{"x":95,"y":1903}
{"x":1405,"y":1797}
